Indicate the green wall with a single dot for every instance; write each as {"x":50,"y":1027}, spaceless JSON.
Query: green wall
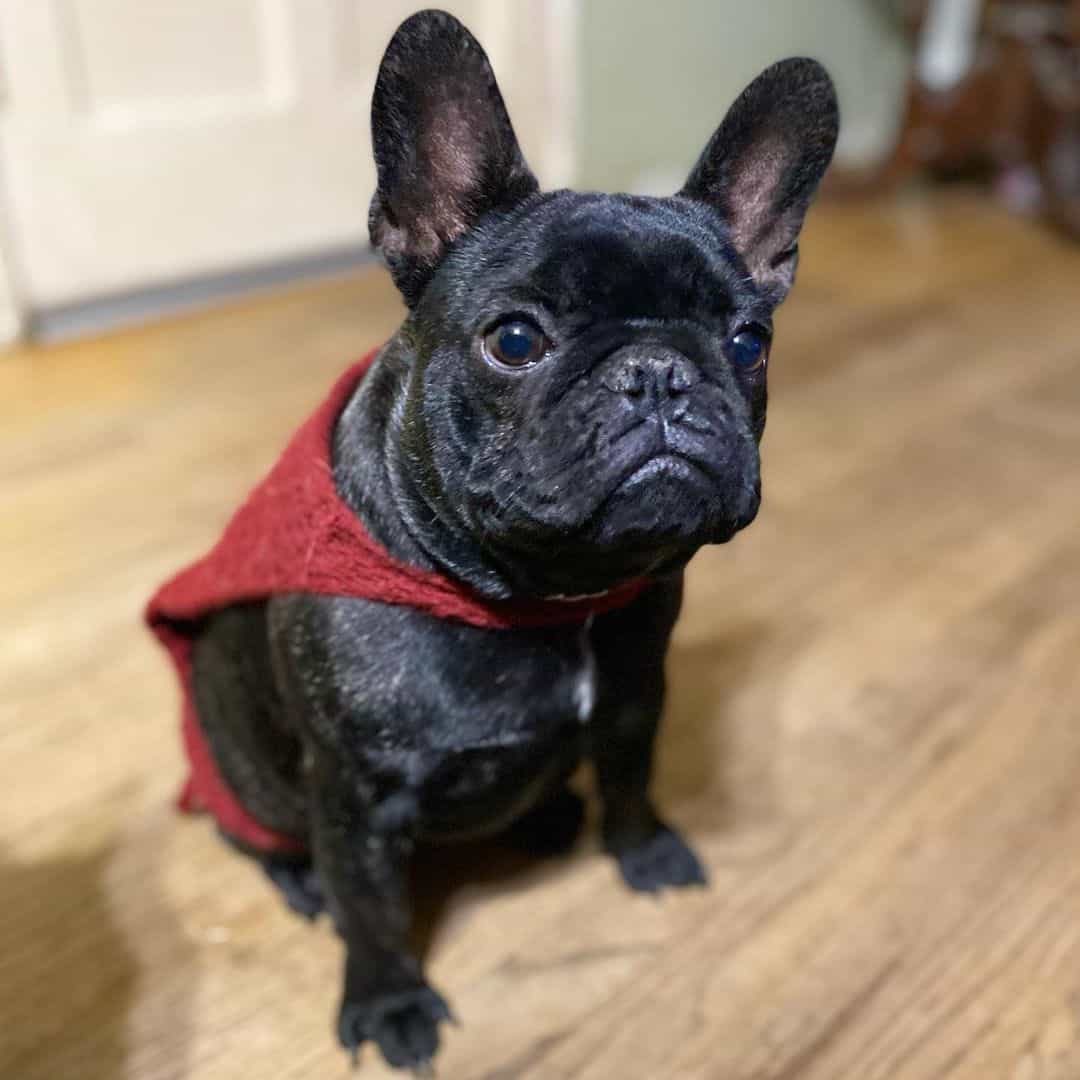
{"x":656,"y":77}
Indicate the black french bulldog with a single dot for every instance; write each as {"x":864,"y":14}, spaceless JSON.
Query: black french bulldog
{"x":575,"y":400}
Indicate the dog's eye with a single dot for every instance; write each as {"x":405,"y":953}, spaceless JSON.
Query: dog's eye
{"x":515,"y":344}
{"x":749,"y":349}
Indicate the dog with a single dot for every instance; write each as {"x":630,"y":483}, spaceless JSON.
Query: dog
{"x":570,"y":410}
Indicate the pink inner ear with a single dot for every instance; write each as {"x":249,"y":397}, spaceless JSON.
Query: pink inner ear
{"x":451,"y":152}
{"x":752,"y":199}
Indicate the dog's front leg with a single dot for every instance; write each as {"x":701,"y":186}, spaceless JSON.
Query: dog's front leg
{"x":362,"y":845}
{"x":630,"y":646}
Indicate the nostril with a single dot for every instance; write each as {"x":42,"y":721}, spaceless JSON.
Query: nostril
{"x":629,"y":380}
{"x":656,"y":378}
{"x":680,"y":377}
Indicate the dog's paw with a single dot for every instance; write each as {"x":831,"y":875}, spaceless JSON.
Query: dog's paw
{"x":404,"y":1026}
{"x":552,"y":827}
{"x":664,"y":860}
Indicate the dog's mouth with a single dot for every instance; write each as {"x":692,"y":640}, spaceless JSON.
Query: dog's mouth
{"x":669,"y":496}
{"x":666,"y":466}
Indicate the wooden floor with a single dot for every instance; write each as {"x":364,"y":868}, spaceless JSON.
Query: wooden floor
{"x":873,"y":736}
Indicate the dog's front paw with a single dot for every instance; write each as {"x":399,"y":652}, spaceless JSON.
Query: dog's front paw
{"x":661,"y":861}
{"x":404,"y":1025}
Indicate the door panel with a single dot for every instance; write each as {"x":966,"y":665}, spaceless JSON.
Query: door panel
{"x":148,"y":142}
{"x":146,"y":74}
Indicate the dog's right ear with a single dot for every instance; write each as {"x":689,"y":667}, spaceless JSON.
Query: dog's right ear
{"x":445,"y":150}
{"x":763,"y":165}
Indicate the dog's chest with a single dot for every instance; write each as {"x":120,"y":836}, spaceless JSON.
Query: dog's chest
{"x":408,"y":683}
{"x":516,"y":693}
{"x":505,"y":718}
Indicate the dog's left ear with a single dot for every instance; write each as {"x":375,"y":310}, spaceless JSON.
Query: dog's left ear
{"x":763,"y":165}
{"x":445,"y":150}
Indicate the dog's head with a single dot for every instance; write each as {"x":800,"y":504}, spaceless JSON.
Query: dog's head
{"x":587,"y":381}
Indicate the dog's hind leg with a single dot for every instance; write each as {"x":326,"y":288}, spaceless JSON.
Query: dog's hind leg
{"x":244,"y":722}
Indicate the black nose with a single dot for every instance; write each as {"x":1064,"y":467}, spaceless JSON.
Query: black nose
{"x":651,"y":378}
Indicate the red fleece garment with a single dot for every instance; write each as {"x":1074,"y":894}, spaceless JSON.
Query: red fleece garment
{"x":294,"y":534}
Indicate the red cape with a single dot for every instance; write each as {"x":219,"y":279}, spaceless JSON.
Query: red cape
{"x":294,"y":534}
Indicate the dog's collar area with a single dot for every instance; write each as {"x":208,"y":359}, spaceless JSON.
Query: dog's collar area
{"x":565,"y":598}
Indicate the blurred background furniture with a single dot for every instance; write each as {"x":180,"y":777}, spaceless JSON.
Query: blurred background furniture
{"x":995,"y":95}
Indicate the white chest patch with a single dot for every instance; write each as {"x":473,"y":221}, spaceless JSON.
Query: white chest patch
{"x":585,"y":688}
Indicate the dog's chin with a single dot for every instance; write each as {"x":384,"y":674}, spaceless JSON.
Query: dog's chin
{"x":668,"y":501}
{"x":651,"y":524}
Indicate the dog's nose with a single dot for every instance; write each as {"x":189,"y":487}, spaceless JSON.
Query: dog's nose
{"x":653,"y":378}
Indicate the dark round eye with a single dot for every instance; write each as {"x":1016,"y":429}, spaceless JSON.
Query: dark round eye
{"x":515,"y":344}
{"x":749,"y":349}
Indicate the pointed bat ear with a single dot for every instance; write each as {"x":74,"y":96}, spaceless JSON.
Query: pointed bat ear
{"x":764,"y":163}
{"x":445,"y":150}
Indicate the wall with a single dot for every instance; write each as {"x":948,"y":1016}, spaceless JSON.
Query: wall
{"x":657,"y":77}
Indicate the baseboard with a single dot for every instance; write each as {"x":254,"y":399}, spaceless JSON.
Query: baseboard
{"x":97,"y":315}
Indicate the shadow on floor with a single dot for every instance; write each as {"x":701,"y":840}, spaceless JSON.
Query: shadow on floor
{"x":66,"y":973}
{"x":707,"y":766}
{"x":483,"y":867}
{"x":69,"y":977}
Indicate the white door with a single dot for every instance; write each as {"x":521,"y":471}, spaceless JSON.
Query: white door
{"x":146,"y":141}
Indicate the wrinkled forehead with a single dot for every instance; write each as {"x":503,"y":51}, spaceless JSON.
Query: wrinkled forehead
{"x":628,"y":257}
